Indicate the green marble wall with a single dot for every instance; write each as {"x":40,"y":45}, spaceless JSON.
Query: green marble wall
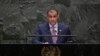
{"x":19,"y":18}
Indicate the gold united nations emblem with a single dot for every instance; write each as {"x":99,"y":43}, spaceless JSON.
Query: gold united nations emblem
{"x":50,"y":51}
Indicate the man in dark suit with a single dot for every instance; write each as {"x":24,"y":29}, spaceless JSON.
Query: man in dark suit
{"x":52,"y":27}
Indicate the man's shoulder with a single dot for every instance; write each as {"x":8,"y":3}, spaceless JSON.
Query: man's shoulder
{"x":63,"y":24}
{"x":42,"y":24}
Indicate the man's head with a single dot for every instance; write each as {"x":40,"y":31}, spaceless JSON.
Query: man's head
{"x":52,"y":16}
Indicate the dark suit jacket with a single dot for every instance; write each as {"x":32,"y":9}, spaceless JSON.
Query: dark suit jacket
{"x":44,"y":29}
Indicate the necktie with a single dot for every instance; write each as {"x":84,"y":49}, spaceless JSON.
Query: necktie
{"x":53,"y":33}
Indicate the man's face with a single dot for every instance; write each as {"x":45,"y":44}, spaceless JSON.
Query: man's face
{"x":52,"y":17}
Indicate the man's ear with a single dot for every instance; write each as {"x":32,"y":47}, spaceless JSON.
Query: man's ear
{"x":58,"y":16}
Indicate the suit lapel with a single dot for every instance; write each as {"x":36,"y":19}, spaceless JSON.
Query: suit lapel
{"x":59,"y":29}
{"x":48,"y":32}
{"x":59,"y":32}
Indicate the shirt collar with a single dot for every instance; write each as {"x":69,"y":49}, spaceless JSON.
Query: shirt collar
{"x":56,"y":25}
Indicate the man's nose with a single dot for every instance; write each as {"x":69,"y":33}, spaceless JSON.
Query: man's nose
{"x":52,"y":18}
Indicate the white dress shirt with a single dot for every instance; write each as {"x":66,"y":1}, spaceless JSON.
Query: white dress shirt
{"x":56,"y":28}
{"x":56,"y":31}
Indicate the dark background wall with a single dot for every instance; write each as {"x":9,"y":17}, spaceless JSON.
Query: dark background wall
{"x":18,"y":19}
